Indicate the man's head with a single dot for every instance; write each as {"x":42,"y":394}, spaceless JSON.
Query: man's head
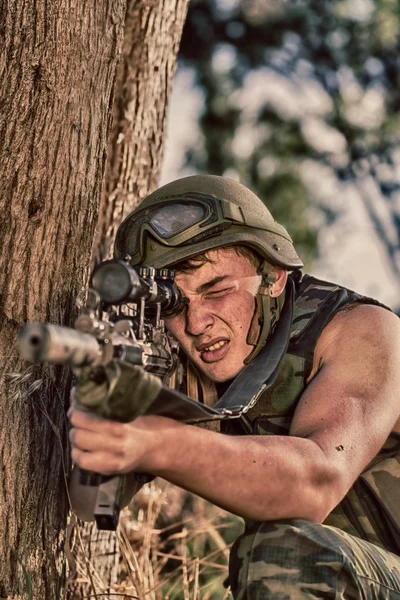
{"x":222,"y":287}
{"x":194,"y":224}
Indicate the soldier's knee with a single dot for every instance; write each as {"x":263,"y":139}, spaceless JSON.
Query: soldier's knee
{"x":285,"y":557}
{"x":291,"y":539}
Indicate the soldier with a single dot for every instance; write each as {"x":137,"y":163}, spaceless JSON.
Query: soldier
{"x":313,"y":466}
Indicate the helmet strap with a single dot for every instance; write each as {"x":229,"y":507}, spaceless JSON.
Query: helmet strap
{"x":199,"y":386}
{"x":266,"y":314}
{"x":202,"y":389}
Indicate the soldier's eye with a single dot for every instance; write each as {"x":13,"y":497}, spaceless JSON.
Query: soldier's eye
{"x":218,"y":293}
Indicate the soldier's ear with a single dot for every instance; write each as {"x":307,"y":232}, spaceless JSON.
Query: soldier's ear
{"x":280,"y":282}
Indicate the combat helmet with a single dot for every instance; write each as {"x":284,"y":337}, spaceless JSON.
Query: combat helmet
{"x":198,"y":213}
{"x":204,"y":212}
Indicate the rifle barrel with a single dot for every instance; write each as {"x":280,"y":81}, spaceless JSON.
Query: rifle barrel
{"x":43,"y":342}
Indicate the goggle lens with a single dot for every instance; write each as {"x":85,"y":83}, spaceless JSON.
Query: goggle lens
{"x":172,"y":219}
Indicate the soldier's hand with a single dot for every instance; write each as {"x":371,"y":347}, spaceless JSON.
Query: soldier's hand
{"x":110,"y":447}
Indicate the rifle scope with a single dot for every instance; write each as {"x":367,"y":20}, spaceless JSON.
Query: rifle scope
{"x":117,"y":282}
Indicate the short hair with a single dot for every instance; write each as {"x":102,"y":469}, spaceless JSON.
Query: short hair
{"x":195,"y":262}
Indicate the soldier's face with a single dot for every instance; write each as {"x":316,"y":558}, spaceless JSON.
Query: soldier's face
{"x":213,"y":328}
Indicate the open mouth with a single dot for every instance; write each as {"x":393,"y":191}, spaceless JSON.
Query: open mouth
{"x":215,"y":351}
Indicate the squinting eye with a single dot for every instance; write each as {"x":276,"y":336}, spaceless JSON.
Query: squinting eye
{"x":218,"y":293}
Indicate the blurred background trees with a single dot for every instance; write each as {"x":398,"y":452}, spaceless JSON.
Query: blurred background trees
{"x":300,"y":101}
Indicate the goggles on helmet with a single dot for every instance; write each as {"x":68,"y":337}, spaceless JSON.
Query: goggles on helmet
{"x":184,"y":221}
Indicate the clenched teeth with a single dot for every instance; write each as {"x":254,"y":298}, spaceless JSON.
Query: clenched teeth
{"x":215,"y":346}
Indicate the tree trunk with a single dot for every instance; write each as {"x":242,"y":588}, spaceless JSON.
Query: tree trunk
{"x":58,"y":66}
{"x":153,"y":31}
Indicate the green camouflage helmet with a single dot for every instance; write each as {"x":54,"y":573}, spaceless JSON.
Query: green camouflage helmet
{"x":199,"y":213}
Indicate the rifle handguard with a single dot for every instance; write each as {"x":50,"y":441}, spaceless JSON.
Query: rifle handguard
{"x":126,"y":393}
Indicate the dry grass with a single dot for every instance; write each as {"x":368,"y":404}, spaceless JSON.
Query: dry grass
{"x":172,"y":546}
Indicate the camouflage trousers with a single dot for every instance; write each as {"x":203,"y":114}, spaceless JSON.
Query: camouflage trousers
{"x":296,"y":559}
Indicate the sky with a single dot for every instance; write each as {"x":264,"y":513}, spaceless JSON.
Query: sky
{"x":351,"y":253}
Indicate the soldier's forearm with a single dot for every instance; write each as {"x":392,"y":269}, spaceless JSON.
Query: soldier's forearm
{"x":257,"y":478}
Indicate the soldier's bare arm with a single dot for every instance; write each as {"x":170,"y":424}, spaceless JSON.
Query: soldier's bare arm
{"x":352,"y":402}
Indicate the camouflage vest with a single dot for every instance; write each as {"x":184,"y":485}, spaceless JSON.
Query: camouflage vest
{"x":371,"y":509}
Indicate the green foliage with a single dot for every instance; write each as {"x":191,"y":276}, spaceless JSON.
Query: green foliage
{"x":289,"y":198}
{"x":298,"y":81}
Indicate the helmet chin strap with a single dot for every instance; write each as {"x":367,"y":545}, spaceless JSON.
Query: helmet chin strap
{"x":266,"y":314}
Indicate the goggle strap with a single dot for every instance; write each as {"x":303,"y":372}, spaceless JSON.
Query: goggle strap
{"x":232,"y":211}
{"x":239,"y":215}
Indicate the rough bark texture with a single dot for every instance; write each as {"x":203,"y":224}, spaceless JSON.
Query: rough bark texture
{"x":57,"y":66}
{"x":153,"y":31}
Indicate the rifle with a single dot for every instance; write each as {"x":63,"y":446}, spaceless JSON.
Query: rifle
{"x":123,"y":319}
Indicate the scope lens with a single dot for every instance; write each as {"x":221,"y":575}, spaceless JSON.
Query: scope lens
{"x":113,"y":282}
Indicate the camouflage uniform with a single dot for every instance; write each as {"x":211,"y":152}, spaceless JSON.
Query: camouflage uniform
{"x":296,"y":559}
{"x":355,"y":553}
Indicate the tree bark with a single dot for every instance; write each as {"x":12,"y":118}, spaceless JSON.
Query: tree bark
{"x":57,"y":66}
{"x":153,"y":31}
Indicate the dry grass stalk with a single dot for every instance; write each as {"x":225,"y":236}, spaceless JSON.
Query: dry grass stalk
{"x":186,"y":560}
